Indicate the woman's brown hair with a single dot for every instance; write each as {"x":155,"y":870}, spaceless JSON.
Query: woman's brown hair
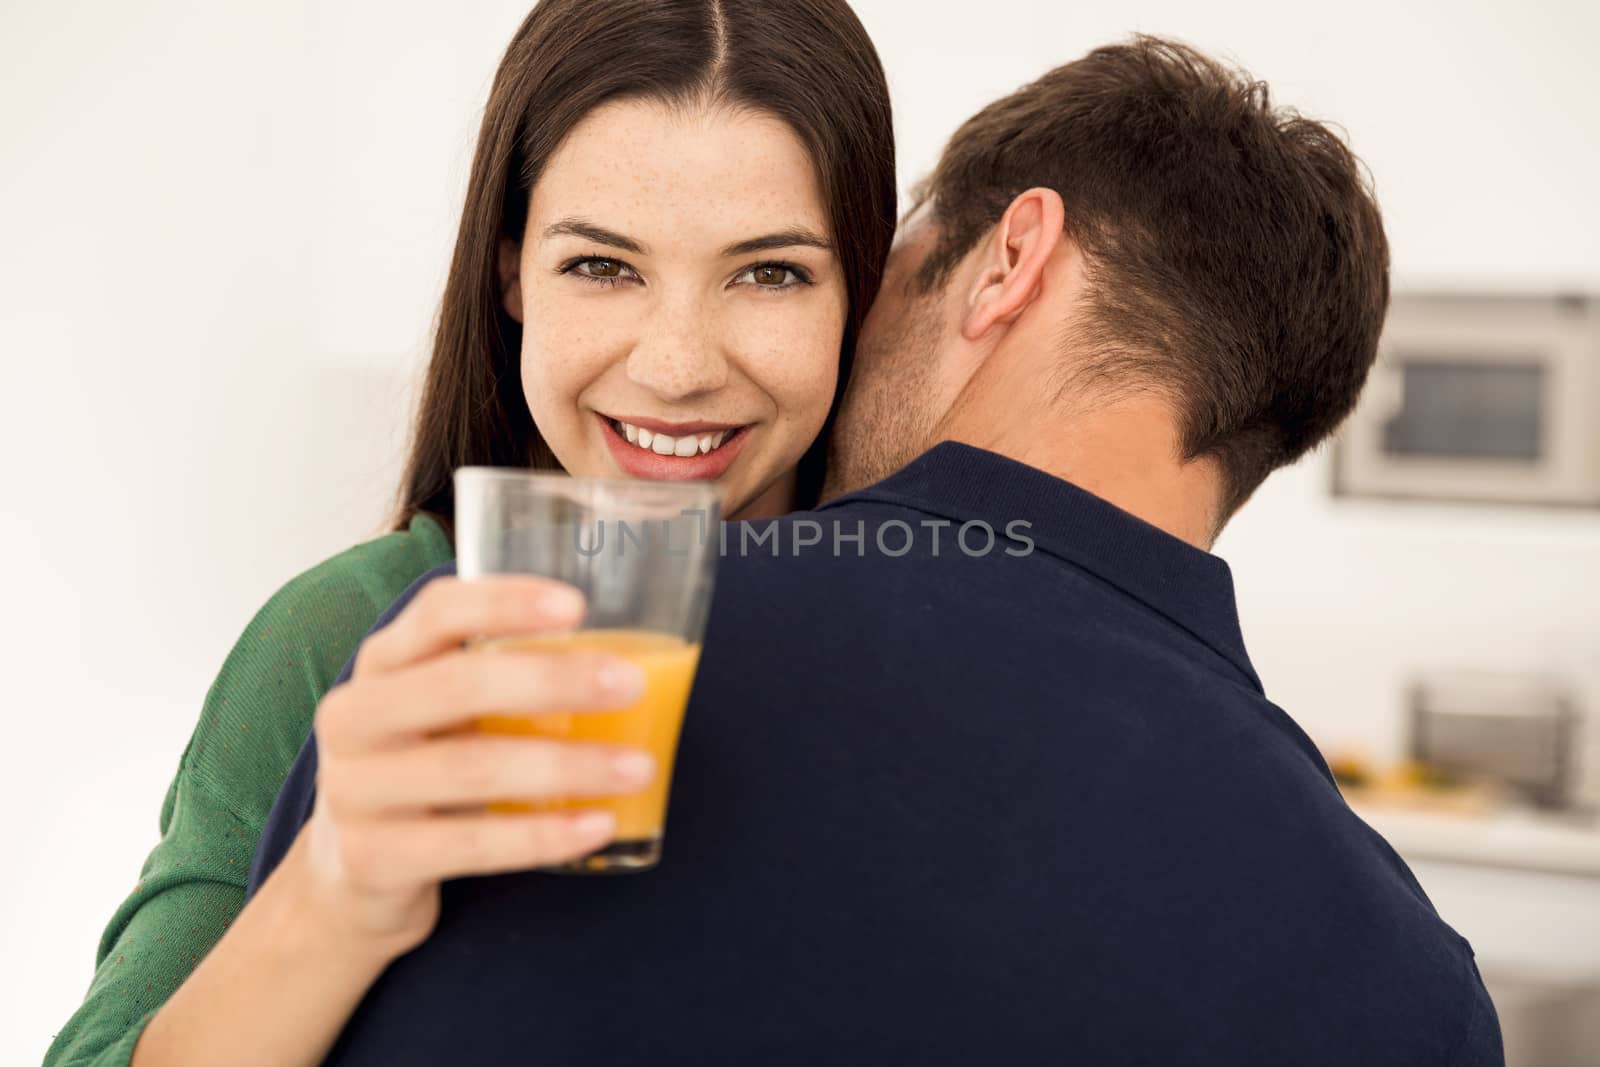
{"x":809,"y":63}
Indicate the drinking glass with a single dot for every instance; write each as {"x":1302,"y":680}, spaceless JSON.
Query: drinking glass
{"x":643,"y":553}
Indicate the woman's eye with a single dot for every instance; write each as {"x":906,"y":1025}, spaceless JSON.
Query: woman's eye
{"x":774,"y":276}
{"x":600,"y":270}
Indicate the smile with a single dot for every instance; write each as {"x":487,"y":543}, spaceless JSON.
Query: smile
{"x":670,"y":451}
{"x":663,"y":444}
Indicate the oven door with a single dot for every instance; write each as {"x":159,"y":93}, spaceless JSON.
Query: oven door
{"x":1493,"y":399}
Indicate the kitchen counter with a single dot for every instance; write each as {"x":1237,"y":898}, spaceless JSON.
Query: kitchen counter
{"x":1517,"y":839}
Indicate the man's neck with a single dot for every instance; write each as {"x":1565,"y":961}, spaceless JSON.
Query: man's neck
{"x":1125,"y":452}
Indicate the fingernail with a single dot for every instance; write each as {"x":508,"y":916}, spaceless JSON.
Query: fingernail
{"x":594,"y":825}
{"x":633,"y":766}
{"x":561,"y":602}
{"x":622,"y":680}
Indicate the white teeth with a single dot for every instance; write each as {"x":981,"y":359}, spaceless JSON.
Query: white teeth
{"x":664,"y":445}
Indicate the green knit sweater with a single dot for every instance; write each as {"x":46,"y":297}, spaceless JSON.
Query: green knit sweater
{"x":256,"y":716}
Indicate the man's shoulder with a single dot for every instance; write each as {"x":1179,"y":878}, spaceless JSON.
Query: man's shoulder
{"x":864,"y":547}
{"x":885,"y":579}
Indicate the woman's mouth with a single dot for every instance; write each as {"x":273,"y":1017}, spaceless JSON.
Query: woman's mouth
{"x":664,"y":444}
{"x":663,"y":451}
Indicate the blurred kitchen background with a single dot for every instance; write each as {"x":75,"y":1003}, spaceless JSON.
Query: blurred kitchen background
{"x":226,"y":227}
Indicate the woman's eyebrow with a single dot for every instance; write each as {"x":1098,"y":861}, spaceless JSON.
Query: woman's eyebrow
{"x":790,"y":238}
{"x":797,"y":236}
{"x":576,"y":227}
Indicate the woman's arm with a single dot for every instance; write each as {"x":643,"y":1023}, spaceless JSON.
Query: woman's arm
{"x":189,"y":889}
{"x":398,"y":809}
{"x":255,"y":717}
{"x":275,"y":990}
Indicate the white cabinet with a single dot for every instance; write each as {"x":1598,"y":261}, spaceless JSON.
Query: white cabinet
{"x":1535,"y":927}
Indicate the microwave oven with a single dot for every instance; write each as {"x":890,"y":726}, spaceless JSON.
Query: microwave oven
{"x":1491,"y":398}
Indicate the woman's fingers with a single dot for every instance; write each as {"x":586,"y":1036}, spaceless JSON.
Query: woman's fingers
{"x":391,"y":753}
{"x":476,"y":769}
{"x":399,"y":854}
{"x":448,"y":611}
{"x":450,"y":689}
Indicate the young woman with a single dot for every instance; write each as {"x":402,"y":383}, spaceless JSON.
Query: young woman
{"x":677,"y":216}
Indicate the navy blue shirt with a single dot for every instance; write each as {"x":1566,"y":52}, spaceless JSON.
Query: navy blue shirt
{"x":937,"y":804}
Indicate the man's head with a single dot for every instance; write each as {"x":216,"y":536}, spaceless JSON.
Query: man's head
{"x":1136,"y":231}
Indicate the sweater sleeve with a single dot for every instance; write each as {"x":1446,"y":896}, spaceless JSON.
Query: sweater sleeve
{"x":255,"y":718}
{"x":191,"y":888}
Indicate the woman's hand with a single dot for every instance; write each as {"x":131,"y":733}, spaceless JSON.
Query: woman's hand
{"x":399,"y":787}
{"x":398,"y":796}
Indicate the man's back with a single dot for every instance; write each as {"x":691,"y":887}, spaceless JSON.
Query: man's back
{"x":1021,"y":803}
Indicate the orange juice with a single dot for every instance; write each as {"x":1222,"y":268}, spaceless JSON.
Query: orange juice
{"x":668,"y":663}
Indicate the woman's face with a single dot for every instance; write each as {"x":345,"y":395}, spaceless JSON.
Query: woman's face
{"x":681,"y":302}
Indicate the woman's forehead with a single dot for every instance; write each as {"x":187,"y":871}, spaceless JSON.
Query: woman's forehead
{"x":680,"y":177}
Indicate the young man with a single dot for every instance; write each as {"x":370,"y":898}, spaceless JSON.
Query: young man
{"x":986,"y":774}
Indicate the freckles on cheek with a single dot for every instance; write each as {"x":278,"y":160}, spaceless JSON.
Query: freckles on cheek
{"x":797,"y":367}
{"x":561,"y":354}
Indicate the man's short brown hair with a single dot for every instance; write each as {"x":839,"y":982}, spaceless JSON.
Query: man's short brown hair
{"x":1235,"y":254}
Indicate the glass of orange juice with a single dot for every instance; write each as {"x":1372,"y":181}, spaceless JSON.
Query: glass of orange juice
{"x":643,"y":553}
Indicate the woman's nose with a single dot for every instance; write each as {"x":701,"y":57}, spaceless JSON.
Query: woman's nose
{"x":679,"y":354}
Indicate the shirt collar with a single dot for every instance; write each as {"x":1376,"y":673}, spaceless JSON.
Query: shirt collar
{"x":1191,"y":587}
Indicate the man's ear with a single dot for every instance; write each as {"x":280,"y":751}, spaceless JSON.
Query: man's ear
{"x":508,"y":275}
{"x":1015,"y":256}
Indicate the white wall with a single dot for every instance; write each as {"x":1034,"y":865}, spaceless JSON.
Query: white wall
{"x":225,"y":230}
